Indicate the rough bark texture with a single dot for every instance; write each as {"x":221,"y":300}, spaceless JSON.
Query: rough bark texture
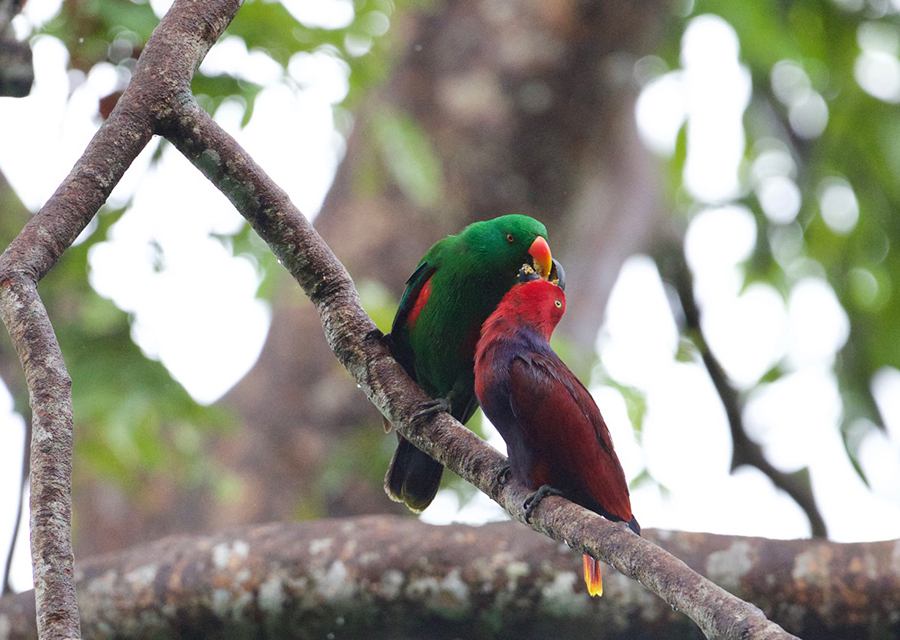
{"x":51,"y":446}
{"x":14,"y":217}
{"x":389,"y":577}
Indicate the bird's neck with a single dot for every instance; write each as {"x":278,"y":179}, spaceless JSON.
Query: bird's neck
{"x":507,"y":323}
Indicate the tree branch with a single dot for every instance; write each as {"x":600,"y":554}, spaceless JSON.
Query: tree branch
{"x":356,"y":343}
{"x":15,"y":214}
{"x":159,"y":100}
{"x":745,"y":452}
{"x":395,"y":577}
{"x":51,"y":465}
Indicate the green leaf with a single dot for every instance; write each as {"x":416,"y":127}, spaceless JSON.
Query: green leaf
{"x":212,"y":91}
{"x":635,"y":402}
{"x":270,"y":27}
{"x":409,"y":157}
{"x":687,"y":351}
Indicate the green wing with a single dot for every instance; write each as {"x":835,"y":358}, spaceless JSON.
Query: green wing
{"x":412,"y":478}
{"x":399,"y":336}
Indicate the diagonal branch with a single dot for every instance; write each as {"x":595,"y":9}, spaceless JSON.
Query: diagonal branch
{"x":358,"y":346}
{"x":158,"y":100}
{"x":746,"y":451}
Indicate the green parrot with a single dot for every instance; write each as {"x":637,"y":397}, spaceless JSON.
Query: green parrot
{"x":456,"y":286}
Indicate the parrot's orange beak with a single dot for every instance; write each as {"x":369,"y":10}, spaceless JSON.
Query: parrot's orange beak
{"x":543,"y":260}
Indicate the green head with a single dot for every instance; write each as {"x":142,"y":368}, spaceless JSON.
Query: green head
{"x":507,"y":242}
{"x":474,"y":269}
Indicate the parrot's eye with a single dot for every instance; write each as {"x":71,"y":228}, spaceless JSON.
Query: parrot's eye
{"x":509,"y":238}
{"x":558,"y":304}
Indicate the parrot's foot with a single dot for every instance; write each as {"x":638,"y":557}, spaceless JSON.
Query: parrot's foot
{"x":502,"y":476}
{"x":428,"y":409}
{"x":532,"y":501}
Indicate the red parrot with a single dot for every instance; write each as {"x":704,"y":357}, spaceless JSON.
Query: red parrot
{"x":556,"y":438}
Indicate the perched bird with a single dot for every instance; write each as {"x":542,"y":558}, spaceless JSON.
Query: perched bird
{"x":556,"y":438}
{"x":453,"y":290}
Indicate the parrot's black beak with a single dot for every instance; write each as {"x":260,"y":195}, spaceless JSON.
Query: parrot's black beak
{"x":557,"y":275}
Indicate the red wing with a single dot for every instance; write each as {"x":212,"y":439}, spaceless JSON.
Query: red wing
{"x":562,"y":425}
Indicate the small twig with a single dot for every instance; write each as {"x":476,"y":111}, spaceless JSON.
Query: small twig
{"x":6,"y":587}
{"x":745,"y":450}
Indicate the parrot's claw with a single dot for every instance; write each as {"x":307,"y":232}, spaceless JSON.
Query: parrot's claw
{"x":503,"y":476}
{"x":532,"y":501}
{"x":430,"y":408}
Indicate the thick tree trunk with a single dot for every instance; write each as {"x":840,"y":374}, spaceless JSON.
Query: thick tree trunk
{"x":387,"y":577}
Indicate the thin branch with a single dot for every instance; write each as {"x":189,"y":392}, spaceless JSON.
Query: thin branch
{"x":396,"y":577}
{"x":745,"y":450}
{"x":6,"y":586}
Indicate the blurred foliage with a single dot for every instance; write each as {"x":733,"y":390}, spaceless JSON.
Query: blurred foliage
{"x":134,"y":420}
{"x":408,"y":155}
{"x":819,"y":45}
{"x":378,"y":302}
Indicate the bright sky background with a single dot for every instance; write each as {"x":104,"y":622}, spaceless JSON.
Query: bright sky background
{"x":685,"y":446}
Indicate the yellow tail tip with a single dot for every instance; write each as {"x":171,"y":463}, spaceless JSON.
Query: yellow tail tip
{"x":593,"y":576}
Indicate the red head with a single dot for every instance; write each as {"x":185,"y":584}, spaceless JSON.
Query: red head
{"x":538,"y":304}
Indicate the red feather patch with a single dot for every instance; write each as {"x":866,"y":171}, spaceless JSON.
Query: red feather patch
{"x":424,"y":294}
